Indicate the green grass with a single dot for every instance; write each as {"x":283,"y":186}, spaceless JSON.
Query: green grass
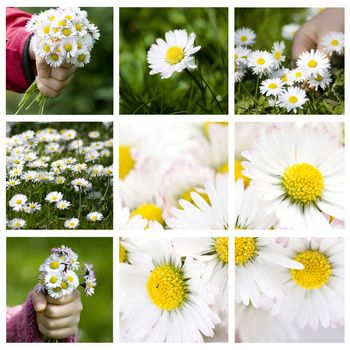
{"x":91,"y":90}
{"x":141,"y":93}
{"x":25,"y":255}
{"x":49,"y":217}
{"x":268,"y":29}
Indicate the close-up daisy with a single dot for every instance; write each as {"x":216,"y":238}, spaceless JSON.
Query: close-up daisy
{"x":16,"y":224}
{"x":313,"y":63}
{"x":244,"y":37}
{"x":94,"y":216}
{"x":71,"y":223}
{"x":333,"y":42}
{"x":320,"y":81}
{"x":271,"y":87}
{"x":174,"y":54}
{"x":18,"y":202}
{"x":261,"y":62}
{"x":277,"y":52}
{"x":54,"y":197}
{"x":292,"y":98}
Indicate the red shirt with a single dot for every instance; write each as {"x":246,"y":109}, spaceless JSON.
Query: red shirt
{"x":17,"y":40}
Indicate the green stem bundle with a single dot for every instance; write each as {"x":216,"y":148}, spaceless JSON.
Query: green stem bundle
{"x":31,"y":96}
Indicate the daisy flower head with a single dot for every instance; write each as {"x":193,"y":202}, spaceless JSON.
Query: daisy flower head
{"x":171,"y":303}
{"x":277,"y":53}
{"x":241,"y":54}
{"x":333,"y":42}
{"x":71,"y":223}
{"x":296,"y":75}
{"x":289,"y":31}
{"x":131,"y":223}
{"x":320,"y":81}
{"x":32,"y":207}
{"x":53,"y":278}
{"x":63,"y":204}
{"x":261,"y":62}
{"x":174,"y":54}
{"x":18,"y":201}
{"x":314,"y":295}
{"x":54,"y":197}
{"x":302,"y":179}
{"x":239,"y":73}
{"x":71,"y":278}
{"x":271,"y":87}
{"x":292,"y":98}
{"x":313,"y":63}
{"x":16,"y":224}
{"x":283,"y":74}
{"x":53,"y":263}
{"x":94,"y":216}
{"x":244,"y":37}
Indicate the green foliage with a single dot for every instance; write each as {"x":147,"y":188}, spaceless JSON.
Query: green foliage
{"x":91,"y":90}
{"x":268,"y":29}
{"x":49,"y":217}
{"x":141,"y":93}
{"x":25,"y":255}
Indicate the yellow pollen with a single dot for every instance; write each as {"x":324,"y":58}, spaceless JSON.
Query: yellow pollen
{"x":260,"y":61}
{"x":19,"y":201}
{"x":62,"y":22}
{"x":78,"y":27}
{"x":54,"y":198}
{"x":334,"y":42}
{"x":93,"y":217}
{"x":70,"y":279}
{"x":166,"y":287}
{"x":150,"y":212}
{"x":66,"y":32}
{"x":312,"y":64}
{"x":69,"y":17}
{"x":293,"y":99}
{"x":17,"y":224}
{"x":244,"y":38}
{"x":277,"y":55}
{"x":57,"y":289}
{"x":223,"y":169}
{"x":64,"y":285}
{"x":46,"y":48}
{"x":235,"y":56}
{"x":89,"y":284}
{"x":54,"y":265}
{"x":174,"y":54}
{"x":319,"y":77}
{"x":51,"y":18}
{"x":273,"y":86}
{"x":71,"y":224}
{"x":298,"y":74}
{"x":126,"y":163}
{"x":53,"y":279}
{"x":221,"y":247}
{"x":46,"y":29}
{"x":303,"y":183}
{"x":81,"y":57}
{"x":123,"y":254}
{"x":317,"y":270}
{"x":68,"y":47}
{"x":245,"y":250}
{"x":238,"y":173}
{"x":54,"y":57}
{"x":79,"y":45}
{"x":284,"y":78}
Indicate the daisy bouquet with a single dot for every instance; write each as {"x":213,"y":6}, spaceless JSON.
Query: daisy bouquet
{"x":59,"y":36}
{"x":58,"y":274}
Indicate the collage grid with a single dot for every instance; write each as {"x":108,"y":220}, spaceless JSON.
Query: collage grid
{"x":234,"y":121}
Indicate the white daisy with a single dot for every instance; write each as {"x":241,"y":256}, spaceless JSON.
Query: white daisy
{"x":54,"y":59}
{"x":167,"y":300}
{"x":239,"y":73}
{"x":322,"y":81}
{"x":16,"y":224}
{"x":261,"y":62}
{"x":315,"y":294}
{"x":134,"y":223}
{"x":172,"y":55}
{"x":32,"y":207}
{"x":244,"y":37}
{"x":271,"y":87}
{"x":292,"y":98}
{"x":94,"y":134}
{"x":313,"y":63}
{"x":299,"y":172}
{"x":334,"y":42}
{"x":62,"y":204}
{"x":289,"y":30}
{"x":71,"y":278}
{"x":18,"y":201}
{"x":296,"y":75}
{"x":53,"y":278}
{"x":241,"y":55}
{"x":55,"y":293}
{"x":201,"y":214}
{"x":12,"y":182}
{"x":277,"y":53}
{"x":283,"y":74}
{"x":82,"y":58}
{"x":53,"y":263}
{"x":54,"y":197}
{"x":71,"y":223}
{"x":94,"y":216}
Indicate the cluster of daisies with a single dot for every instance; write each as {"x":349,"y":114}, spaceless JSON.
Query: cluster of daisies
{"x":289,"y":176}
{"x":58,"y":274}
{"x":63,"y":36}
{"x":288,"y":288}
{"x":55,"y":179}
{"x":286,"y":88}
{"x":173,"y":175}
{"x":173,"y":290}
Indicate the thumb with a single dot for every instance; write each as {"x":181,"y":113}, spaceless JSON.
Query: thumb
{"x":39,"y":301}
{"x":42,"y":68}
{"x":303,"y":41}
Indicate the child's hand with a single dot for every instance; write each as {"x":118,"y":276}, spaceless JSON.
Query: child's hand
{"x":50,"y":81}
{"x":58,"y":318}
{"x":310,"y":34}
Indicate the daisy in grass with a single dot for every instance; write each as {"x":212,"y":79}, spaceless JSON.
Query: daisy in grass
{"x":17,"y":202}
{"x":261,"y":62}
{"x":244,"y":37}
{"x":16,"y":224}
{"x":167,"y":298}
{"x":241,"y":54}
{"x":277,"y":53}
{"x":172,"y":55}
{"x":334,"y":42}
{"x":314,"y":295}
{"x":271,"y":87}
{"x":283,"y":74}
{"x":54,"y":197}
{"x":322,"y":81}
{"x":94,"y":216}
{"x":296,"y":76}
{"x":201,"y":213}
{"x":249,"y":209}
{"x":32,"y":207}
{"x":213,"y":252}
{"x":292,"y":98}
{"x":71,"y":223}
{"x":63,"y":204}
{"x":257,"y":259}
{"x":313,"y":63}
{"x":298,"y":171}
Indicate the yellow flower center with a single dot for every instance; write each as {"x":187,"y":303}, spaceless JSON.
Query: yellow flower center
{"x":123,"y":254}
{"x":19,"y":201}
{"x":93,"y":218}
{"x":53,"y":279}
{"x":166,"y":287}
{"x":334,"y":42}
{"x":277,"y":55}
{"x":303,"y":183}
{"x":312,"y":64}
{"x":54,"y":57}
{"x":238,"y":173}
{"x":89,"y":284}
{"x":298,"y":74}
{"x":244,"y":38}
{"x":293,"y":99}
{"x":70,"y":279}
{"x":68,"y":47}
{"x":54,"y":265}
{"x":54,"y":198}
{"x":78,"y":27}
{"x":61,"y":22}
{"x":72,"y":224}
{"x":81,"y":57}
{"x":260,"y":61}
{"x":273,"y":86}
{"x":46,"y":29}
{"x":64,"y":285}
{"x":319,"y":77}
{"x":187,"y":195}
{"x":18,"y":224}
{"x":126,"y":163}
{"x":66,"y":32}
{"x":284,"y":77}
{"x":150,"y":212}
{"x":223,"y":169}
{"x":317,"y":270}
{"x":46,"y":48}
{"x":174,"y":54}
{"x":245,"y":250}
{"x":221,"y":247}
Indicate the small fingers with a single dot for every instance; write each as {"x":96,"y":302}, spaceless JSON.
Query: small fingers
{"x":39,"y":301}
{"x":65,"y":299}
{"x":62,"y":73}
{"x":61,"y":311}
{"x":60,"y":323}
{"x":42,"y":68}
{"x":57,"y":333}
{"x":51,"y":87}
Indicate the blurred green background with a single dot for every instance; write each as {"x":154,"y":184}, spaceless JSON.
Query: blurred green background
{"x":25,"y":255}
{"x":141,"y":93}
{"x":91,"y":90}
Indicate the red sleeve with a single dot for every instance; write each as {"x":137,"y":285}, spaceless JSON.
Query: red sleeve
{"x":16,"y":49}
{"x":21,"y":325}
